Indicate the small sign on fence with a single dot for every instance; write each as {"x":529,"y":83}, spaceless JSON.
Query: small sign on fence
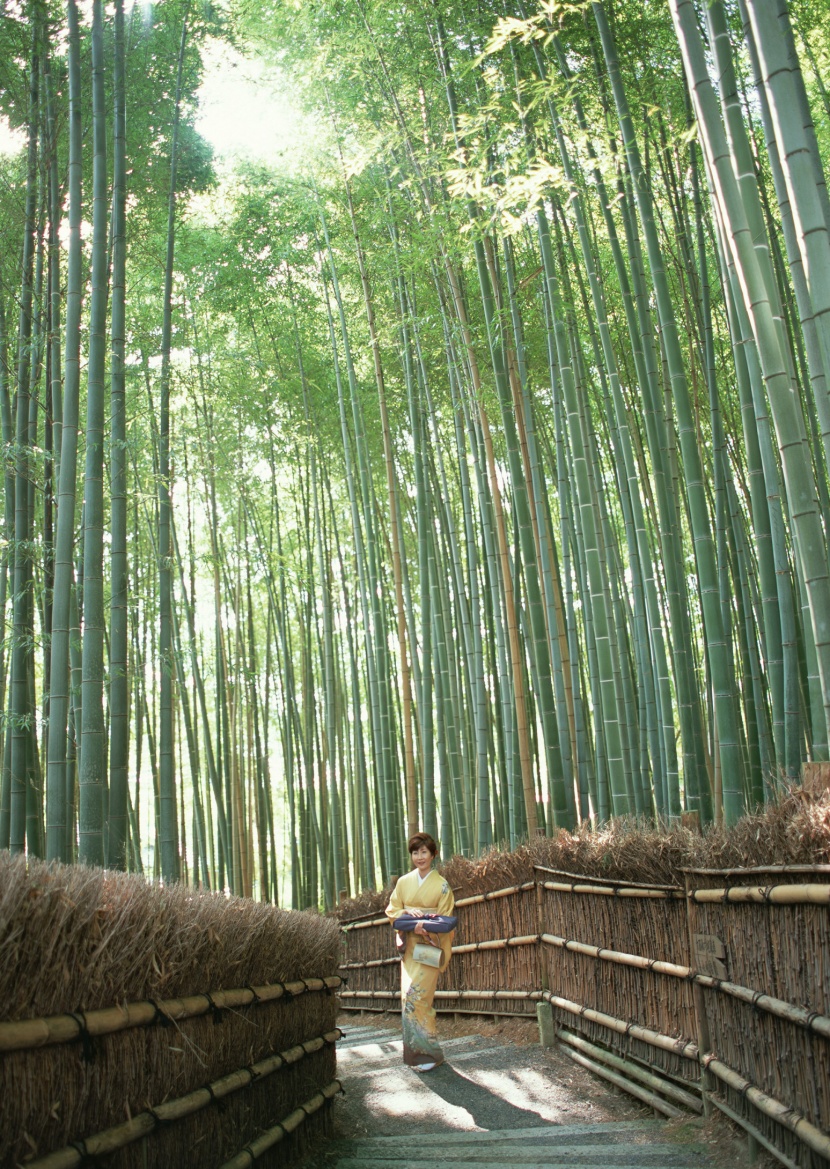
{"x":709,"y":954}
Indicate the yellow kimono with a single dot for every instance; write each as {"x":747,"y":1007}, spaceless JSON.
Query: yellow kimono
{"x":418,"y":982}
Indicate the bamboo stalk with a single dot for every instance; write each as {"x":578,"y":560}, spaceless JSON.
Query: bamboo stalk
{"x":608,"y":881}
{"x":533,"y":995}
{"x":369,"y":965}
{"x":650,"y":894}
{"x":111,"y":1139}
{"x":32,"y":1033}
{"x":272,"y":1136}
{"x":489,"y":994}
{"x":627,"y":1068}
{"x":782,"y":1114}
{"x":371,"y":994}
{"x":497,"y":944}
{"x":360,"y":1007}
{"x":809,"y":1020}
{"x":817,"y":869}
{"x":764,"y":895}
{"x":621,"y":1082}
{"x":622,"y":959}
{"x":364,"y":925}
{"x":478,"y":898}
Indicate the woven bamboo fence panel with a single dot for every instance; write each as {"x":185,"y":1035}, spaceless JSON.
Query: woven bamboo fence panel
{"x":511,"y":968}
{"x":95,"y":1037}
{"x":370,"y":939}
{"x":781,"y":950}
{"x":650,"y":926}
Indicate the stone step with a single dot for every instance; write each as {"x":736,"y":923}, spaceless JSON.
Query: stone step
{"x":614,"y":1145}
{"x":520,"y":1153}
{"x":605,"y":1132}
{"x":496,"y":1161}
{"x":575,"y":1154}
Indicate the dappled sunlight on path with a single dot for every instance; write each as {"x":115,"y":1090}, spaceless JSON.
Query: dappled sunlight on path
{"x":499,"y":1100}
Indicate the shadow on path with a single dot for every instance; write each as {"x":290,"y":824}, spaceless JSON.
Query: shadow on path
{"x":487,"y":1109}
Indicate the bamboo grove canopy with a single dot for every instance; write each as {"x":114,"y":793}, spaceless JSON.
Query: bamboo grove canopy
{"x":465,"y":466}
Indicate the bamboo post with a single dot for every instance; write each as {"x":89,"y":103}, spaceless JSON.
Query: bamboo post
{"x":755,"y":1134}
{"x":628,"y":891}
{"x":547,"y":1026}
{"x":540,"y":927}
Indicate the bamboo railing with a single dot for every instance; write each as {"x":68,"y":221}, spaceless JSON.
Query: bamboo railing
{"x":119,"y":1136}
{"x":714,"y":995}
{"x":28,"y":1034}
{"x":245,"y":1082}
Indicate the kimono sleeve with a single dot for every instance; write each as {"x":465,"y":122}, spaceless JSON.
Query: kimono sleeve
{"x":446,"y":902}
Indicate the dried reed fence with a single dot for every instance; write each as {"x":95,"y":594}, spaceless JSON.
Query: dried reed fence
{"x":691,"y":984}
{"x":158,"y":1027}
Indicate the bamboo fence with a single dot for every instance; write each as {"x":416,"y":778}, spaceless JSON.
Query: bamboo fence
{"x":156,"y":1027}
{"x":716,"y":994}
{"x":774,"y":928}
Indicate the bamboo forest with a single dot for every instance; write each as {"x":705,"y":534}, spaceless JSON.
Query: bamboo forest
{"x":459,"y":461}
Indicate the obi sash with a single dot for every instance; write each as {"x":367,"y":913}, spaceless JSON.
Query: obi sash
{"x":434,"y":922}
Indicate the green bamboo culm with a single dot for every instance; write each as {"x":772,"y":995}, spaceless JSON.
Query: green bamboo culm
{"x":21,"y":712}
{"x":119,"y":740}
{"x":168,"y":820}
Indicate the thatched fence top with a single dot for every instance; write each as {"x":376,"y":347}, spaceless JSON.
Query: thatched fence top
{"x":91,"y":938}
{"x":128,"y":1011}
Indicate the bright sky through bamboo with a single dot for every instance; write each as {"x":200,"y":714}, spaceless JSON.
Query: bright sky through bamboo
{"x":11,"y":141}
{"x":244,"y":111}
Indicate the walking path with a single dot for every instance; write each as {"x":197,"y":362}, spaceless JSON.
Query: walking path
{"x":500,"y":1100}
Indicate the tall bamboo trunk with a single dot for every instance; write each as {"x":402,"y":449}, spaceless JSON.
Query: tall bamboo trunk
{"x":167,"y":784}
{"x":22,"y":663}
{"x":119,"y":698}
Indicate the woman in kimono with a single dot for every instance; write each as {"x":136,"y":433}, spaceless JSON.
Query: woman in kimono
{"x":422,"y":891}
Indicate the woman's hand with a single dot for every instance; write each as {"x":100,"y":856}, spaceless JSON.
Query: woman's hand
{"x":420,"y":928}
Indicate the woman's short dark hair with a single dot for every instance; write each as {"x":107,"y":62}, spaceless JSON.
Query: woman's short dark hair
{"x":422,"y":840}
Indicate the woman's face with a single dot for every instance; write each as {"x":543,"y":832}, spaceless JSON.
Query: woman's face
{"x":421,"y":858}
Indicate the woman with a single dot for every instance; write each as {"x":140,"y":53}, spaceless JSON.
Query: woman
{"x":422,"y":891}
